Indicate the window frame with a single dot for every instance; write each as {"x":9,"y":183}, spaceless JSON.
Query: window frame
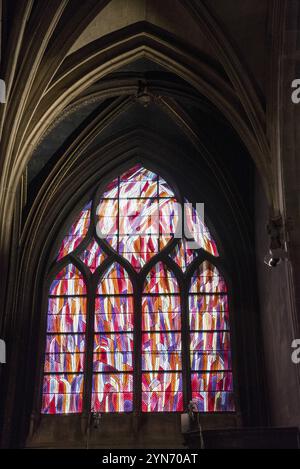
{"x":137,"y":279}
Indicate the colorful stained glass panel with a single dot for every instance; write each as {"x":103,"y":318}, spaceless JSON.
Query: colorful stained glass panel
{"x":64,"y":362}
{"x":161,"y":382}
{"x":161,"y":303}
{"x":206,"y":341}
{"x":137,"y":174}
{"x":114,"y":314}
{"x":139,"y":218}
{"x":198,"y":231}
{"x":63,"y":384}
{"x":161,"y":280}
{"x":215,"y":381}
{"x":112,"y":361}
{"x":161,"y":321}
{"x":115,"y":282}
{"x":113,"y":343}
{"x":183,"y":255}
{"x":62,"y":394}
{"x":209,"y":321}
{"x":209,"y":312}
{"x":112,"y":402}
{"x":111,"y":190}
{"x":161,"y":361}
{"x":162,"y":392}
{"x":69,"y":281}
{"x":209,"y":361}
{"x":112,"y":393}
{"x":77,"y":232}
{"x":66,"y":314}
{"x":161,"y":342}
{"x":214,"y":401}
{"x":112,"y":382}
{"x":107,"y":219}
{"x":65,"y":343}
{"x":165,"y":190}
{"x":145,"y":189}
{"x":93,"y":256}
{"x":168,"y":216}
{"x":61,"y":403}
{"x":109,"y":305}
{"x":207,"y":279}
{"x":208,"y":303}
{"x":162,"y":401}
{"x":138,"y":250}
{"x":210,"y":352}
{"x":161,"y":313}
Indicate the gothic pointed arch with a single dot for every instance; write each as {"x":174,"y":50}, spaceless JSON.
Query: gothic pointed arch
{"x":117,"y":334}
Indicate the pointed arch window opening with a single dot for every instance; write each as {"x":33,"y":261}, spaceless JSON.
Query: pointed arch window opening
{"x":121,"y":376}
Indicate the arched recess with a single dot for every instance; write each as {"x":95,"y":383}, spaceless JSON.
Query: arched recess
{"x":137,"y":42}
{"x":135,"y":361}
{"x":50,"y":216}
{"x":165,"y":98}
{"x":134,"y":43}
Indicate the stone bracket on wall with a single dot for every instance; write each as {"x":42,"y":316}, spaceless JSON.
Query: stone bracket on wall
{"x":277,"y":230}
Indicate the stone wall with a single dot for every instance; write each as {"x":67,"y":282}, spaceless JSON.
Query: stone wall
{"x":277,"y":327}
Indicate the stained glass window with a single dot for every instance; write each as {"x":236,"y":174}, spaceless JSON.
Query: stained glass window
{"x":210,"y":351}
{"x":183,"y":255}
{"x":195,"y":236}
{"x":197,"y":230}
{"x":139,"y":320}
{"x":112,"y":388}
{"x":161,"y":342}
{"x":137,"y":215}
{"x":93,"y":256}
{"x":65,"y":343}
{"x":77,"y":232}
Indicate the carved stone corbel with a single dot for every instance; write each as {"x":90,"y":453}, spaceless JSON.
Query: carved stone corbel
{"x":276,"y":230}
